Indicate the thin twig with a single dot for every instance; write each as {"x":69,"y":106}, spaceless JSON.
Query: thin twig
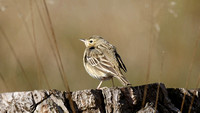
{"x":194,"y":94}
{"x":157,"y":95}
{"x":151,"y":42}
{"x":32,"y":43}
{"x":57,"y":50}
{"x":158,"y":88}
{"x":49,"y":39}
{"x":34,"y":40}
{"x":190,"y":108}
{"x":191,"y":63}
{"x":40,"y":66}
{"x":190,"y":71}
{"x":59,"y":57}
{"x":17,"y":59}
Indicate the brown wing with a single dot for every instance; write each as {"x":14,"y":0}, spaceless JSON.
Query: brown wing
{"x":99,"y":61}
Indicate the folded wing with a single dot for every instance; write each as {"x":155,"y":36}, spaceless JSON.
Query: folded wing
{"x":98,"y":60}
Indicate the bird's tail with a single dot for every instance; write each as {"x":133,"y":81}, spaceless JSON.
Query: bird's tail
{"x":123,"y":80}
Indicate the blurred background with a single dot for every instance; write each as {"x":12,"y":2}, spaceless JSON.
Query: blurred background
{"x":158,"y":41}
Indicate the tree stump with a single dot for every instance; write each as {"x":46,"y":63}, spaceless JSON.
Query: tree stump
{"x":104,"y":100}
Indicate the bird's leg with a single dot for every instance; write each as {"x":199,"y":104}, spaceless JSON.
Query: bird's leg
{"x":113,"y":82}
{"x":99,"y":85}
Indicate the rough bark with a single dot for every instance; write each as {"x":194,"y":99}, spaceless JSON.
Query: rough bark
{"x":109,"y":100}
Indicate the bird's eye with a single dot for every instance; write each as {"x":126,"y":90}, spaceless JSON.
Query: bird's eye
{"x":91,"y":41}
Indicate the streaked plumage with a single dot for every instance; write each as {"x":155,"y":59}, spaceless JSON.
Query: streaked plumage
{"x":102,"y":61}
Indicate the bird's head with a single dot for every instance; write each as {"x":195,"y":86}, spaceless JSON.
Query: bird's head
{"x":93,"y":41}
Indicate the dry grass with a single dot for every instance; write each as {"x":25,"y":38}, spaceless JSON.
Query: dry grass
{"x":149,"y":35}
{"x":25,"y":76}
{"x":4,"y":82}
{"x":34,"y":44}
{"x":190,"y":70}
{"x":161,"y":73}
{"x":63,"y":75}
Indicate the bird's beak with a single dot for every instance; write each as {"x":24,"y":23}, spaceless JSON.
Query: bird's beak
{"x":83,"y":40}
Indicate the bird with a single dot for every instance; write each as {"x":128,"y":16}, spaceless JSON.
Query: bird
{"x":101,"y":60}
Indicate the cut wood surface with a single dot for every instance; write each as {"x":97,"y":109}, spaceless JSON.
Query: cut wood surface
{"x":104,"y":100}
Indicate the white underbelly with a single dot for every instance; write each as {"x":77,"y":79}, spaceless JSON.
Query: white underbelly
{"x":95,"y":73}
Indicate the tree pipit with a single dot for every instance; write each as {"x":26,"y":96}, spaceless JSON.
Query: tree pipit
{"x":102,"y":61}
